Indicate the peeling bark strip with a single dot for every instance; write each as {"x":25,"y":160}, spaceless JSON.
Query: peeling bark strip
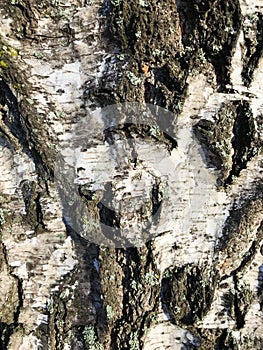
{"x":197,"y":284}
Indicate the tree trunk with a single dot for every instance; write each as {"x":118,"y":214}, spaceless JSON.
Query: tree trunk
{"x":131,"y":174}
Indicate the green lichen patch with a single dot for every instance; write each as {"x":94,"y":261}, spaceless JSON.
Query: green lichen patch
{"x":216,"y":135}
{"x":214,"y":29}
{"x":253,"y":33}
{"x":187,"y":293}
{"x":129,"y":277}
{"x":230,"y":139}
{"x":242,"y":233}
{"x":91,"y":339}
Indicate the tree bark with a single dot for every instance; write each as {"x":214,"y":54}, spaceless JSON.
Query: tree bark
{"x":190,"y":172}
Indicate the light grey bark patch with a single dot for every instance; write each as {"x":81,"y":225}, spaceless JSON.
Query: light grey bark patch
{"x":115,"y":170}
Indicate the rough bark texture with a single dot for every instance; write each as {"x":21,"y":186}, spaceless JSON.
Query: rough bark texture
{"x":198,"y":284}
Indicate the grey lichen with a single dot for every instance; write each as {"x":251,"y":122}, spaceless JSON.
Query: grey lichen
{"x":143,"y":3}
{"x":134,"y":80}
{"x":109,"y":312}
{"x":134,"y":341}
{"x":116,"y":2}
{"x":2,"y":217}
{"x":151,"y":279}
{"x":91,"y":339}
